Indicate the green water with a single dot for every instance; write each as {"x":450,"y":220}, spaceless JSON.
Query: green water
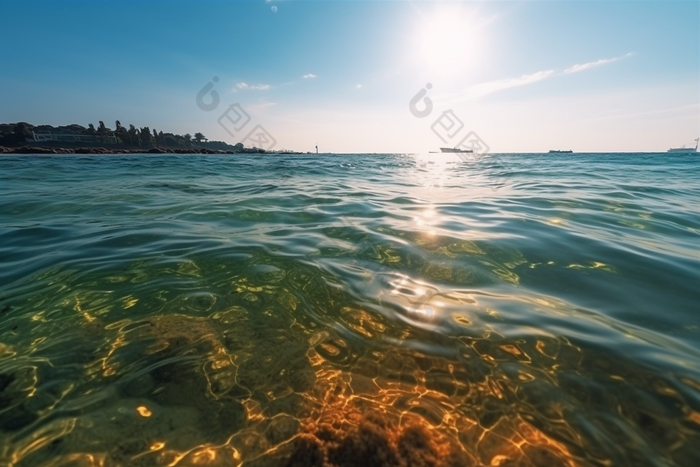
{"x":520,"y":310}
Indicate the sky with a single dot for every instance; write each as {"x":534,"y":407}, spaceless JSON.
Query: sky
{"x":363,"y":76}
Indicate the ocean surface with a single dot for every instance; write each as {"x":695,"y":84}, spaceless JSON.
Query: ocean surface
{"x":405,"y":310}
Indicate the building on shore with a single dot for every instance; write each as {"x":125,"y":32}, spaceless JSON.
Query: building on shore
{"x":72,"y":138}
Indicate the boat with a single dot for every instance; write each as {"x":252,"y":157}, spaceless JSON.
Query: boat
{"x":559,"y":151}
{"x":684,"y":149}
{"x":457,"y":150}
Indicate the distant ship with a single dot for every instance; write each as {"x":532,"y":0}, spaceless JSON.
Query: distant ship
{"x":559,"y":151}
{"x":457,"y":150}
{"x":684,"y":149}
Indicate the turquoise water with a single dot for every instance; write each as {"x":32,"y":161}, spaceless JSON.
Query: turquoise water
{"x":521,"y":309}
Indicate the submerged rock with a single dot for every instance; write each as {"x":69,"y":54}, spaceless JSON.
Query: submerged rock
{"x":374,"y":442}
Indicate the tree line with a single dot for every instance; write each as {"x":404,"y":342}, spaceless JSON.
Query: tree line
{"x":144,"y":137}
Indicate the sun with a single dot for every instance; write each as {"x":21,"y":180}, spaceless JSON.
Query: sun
{"x":450,"y":41}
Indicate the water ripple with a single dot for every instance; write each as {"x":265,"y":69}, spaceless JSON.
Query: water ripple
{"x":216,"y":310}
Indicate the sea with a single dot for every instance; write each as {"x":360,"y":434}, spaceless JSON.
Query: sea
{"x":345,"y":310}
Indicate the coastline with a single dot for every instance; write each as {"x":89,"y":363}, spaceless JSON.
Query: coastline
{"x":107,"y":151}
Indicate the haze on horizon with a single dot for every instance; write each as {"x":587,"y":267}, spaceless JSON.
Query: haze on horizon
{"x":526,"y":76}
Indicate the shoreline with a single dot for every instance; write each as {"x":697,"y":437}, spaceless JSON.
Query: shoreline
{"x":109,"y":151}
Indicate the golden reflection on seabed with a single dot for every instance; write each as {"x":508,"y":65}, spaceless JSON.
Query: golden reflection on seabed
{"x":257,"y":385}
{"x":260,"y":397}
{"x":225,"y":389}
{"x":417,"y":378}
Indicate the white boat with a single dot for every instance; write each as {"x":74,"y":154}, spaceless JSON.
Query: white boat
{"x":684,"y":149}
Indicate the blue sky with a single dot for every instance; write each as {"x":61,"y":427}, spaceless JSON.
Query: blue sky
{"x":524,"y":76}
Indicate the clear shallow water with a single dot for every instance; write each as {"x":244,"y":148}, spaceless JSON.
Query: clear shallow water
{"x":182,"y":310}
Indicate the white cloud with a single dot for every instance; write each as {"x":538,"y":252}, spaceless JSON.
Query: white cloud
{"x":309,"y":76}
{"x":587,"y":66}
{"x":490,"y":87}
{"x":242,"y":86}
{"x":359,"y":86}
{"x":259,"y":108}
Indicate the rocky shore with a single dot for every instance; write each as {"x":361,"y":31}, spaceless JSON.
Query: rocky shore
{"x":103,"y":150}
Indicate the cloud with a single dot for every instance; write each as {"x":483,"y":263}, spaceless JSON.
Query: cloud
{"x":242,"y":86}
{"x":490,"y":87}
{"x":259,"y":108}
{"x":597,"y":63}
{"x":359,"y":86}
{"x":309,"y":76}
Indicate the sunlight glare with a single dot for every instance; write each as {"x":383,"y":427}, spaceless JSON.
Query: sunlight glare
{"x":449,"y":41}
